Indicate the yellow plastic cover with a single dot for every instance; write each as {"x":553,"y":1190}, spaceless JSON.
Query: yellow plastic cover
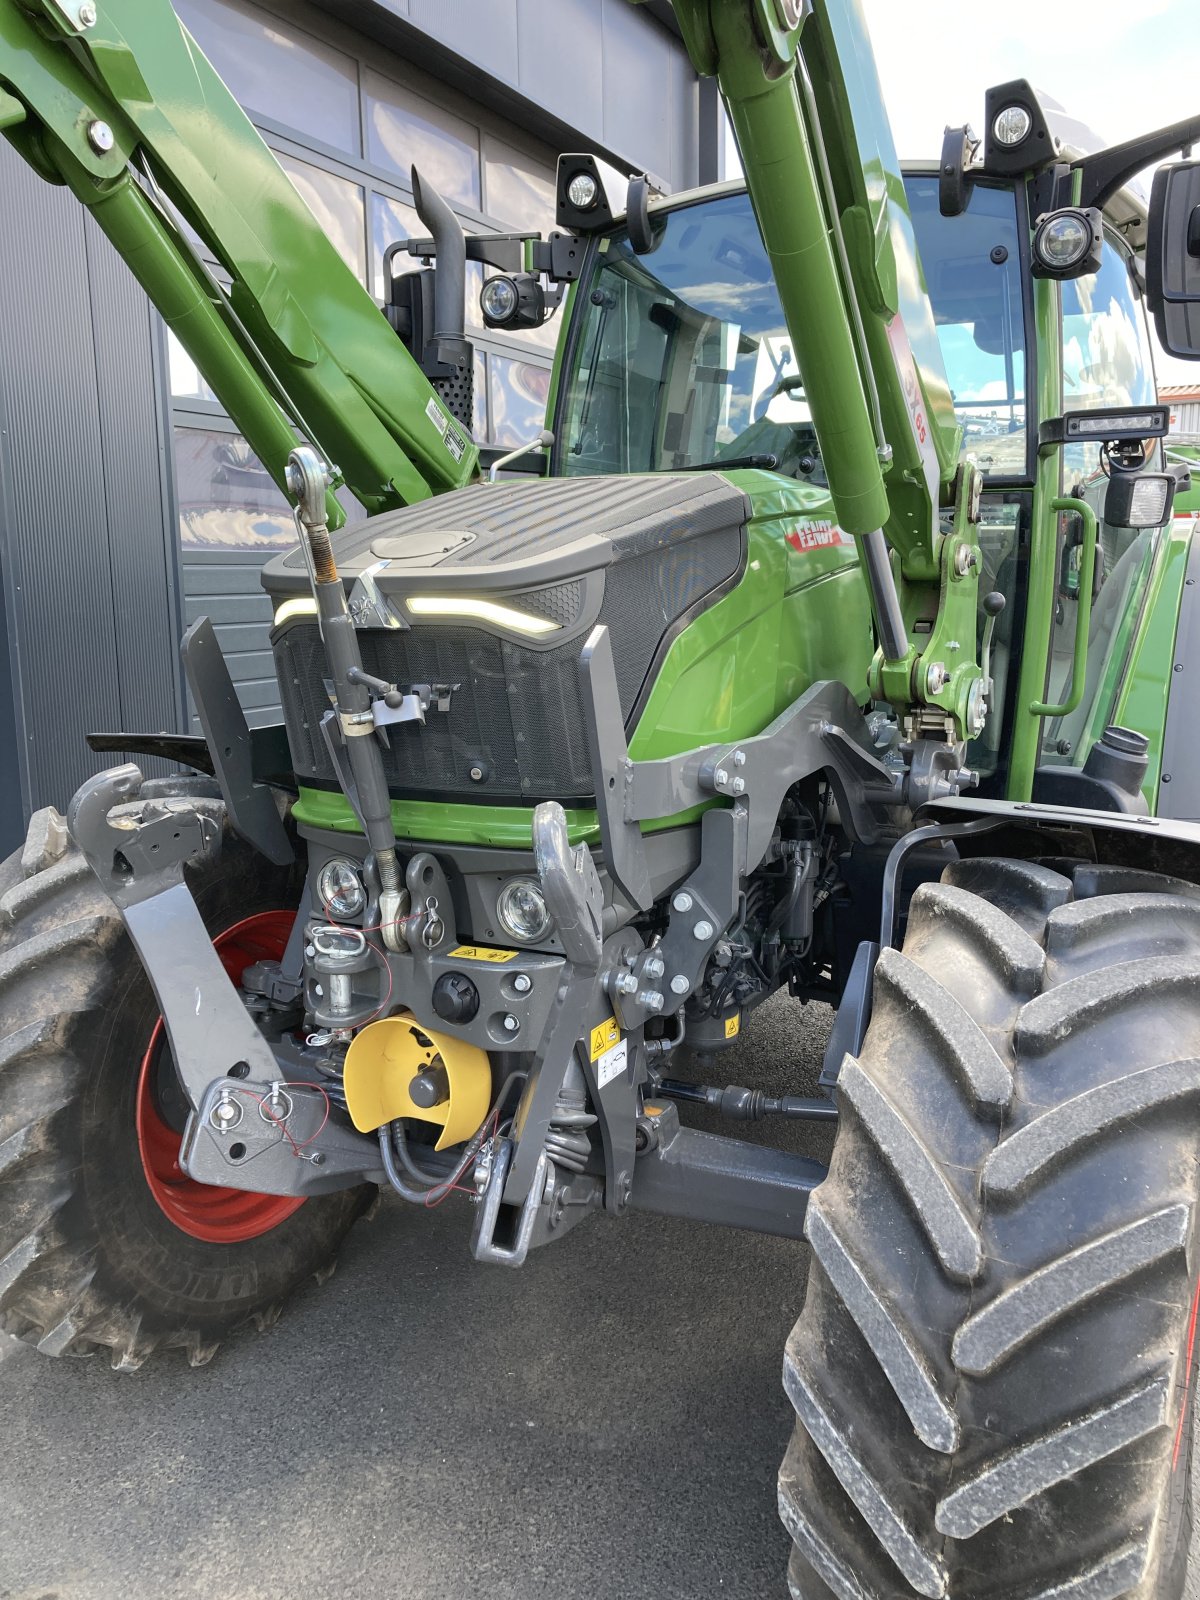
{"x":387,"y":1055}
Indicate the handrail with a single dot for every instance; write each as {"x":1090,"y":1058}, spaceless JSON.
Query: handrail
{"x":1083,"y":618}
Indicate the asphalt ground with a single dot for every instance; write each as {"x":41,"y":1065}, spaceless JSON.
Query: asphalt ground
{"x":607,"y":1421}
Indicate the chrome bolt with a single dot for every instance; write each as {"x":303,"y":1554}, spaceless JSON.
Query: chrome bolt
{"x":511,"y":1024}
{"x":739,"y":758}
{"x":624,"y":983}
{"x":87,"y":14}
{"x":679,"y":984}
{"x":522,"y":983}
{"x":702,"y":930}
{"x":720,"y":776}
{"x":738,"y":785}
{"x":651,"y":999}
{"x":682,"y":901}
{"x":936,"y":677}
{"x":965,"y":557}
{"x":476,"y":774}
{"x":100,"y":137}
{"x":225,"y":1114}
{"x":654,"y":966}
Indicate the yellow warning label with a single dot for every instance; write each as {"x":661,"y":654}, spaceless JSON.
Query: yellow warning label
{"x":733,"y":1025}
{"x":481,"y":952}
{"x":603,"y":1038}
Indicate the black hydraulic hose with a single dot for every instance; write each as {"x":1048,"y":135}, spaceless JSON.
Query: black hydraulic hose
{"x":788,"y":903}
{"x":390,"y":1144}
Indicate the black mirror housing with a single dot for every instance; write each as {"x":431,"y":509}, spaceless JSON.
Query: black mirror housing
{"x":1173,"y":258}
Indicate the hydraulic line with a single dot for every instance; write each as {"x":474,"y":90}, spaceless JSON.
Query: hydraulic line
{"x":393,"y":1141}
{"x":307,"y":481}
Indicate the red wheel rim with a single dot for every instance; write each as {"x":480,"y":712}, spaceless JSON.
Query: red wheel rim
{"x":219,"y":1216}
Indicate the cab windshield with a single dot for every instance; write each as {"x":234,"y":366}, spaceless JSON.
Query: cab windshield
{"x":682,"y":356}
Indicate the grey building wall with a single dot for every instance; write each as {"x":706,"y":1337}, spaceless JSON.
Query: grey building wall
{"x":87,"y":569}
{"x":128,"y":505}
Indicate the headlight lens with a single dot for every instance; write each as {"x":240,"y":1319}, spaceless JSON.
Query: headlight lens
{"x":1011,"y":125}
{"x":499,"y":299}
{"x":521,"y":909}
{"x":582,"y":191}
{"x":341,"y":889}
{"x":1063,"y":240}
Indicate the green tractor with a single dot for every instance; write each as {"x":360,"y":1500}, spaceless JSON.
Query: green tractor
{"x":833,"y":638}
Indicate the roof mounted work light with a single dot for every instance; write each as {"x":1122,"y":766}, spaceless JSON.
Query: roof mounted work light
{"x":1068,"y":243}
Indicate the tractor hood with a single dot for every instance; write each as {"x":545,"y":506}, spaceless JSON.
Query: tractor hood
{"x":489,"y":593}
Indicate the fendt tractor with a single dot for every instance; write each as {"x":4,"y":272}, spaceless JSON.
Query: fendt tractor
{"x":835,"y":637}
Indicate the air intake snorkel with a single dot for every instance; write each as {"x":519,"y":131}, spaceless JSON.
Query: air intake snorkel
{"x":307,"y":481}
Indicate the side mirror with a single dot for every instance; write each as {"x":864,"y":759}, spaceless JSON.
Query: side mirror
{"x":1173,"y":257}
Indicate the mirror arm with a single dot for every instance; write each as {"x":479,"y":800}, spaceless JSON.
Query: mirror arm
{"x":1103,"y":174}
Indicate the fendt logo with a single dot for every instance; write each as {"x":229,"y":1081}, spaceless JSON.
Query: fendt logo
{"x":818,"y":534}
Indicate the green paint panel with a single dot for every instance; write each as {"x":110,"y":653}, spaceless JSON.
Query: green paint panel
{"x":1143,"y":700}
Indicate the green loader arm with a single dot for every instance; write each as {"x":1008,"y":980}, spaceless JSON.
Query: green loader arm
{"x":117,"y":101}
{"x":799,"y":82}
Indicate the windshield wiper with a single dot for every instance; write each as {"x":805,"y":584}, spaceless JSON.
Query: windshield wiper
{"x":770,"y":462}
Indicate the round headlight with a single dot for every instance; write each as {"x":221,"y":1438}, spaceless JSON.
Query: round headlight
{"x":1011,"y":125}
{"x":341,"y":889}
{"x":582,"y":191}
{"x":521,"y":909}
{"x":499,"y":299}
{"x":1062,"y":241}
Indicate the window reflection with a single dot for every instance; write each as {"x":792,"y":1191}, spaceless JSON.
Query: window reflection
{"x":278,"y":71}
{"x":404,"y":131}
{"x":517,"y":394}
{"x":226,"y":499}
{"x":186,"y":380}
{"x":520,"y":189}
{"x":337,"y":206}
{"x":481,"y":397}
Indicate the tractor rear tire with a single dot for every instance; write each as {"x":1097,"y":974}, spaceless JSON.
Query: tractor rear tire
{"x":993,"y":1372}
{"x":105,"y":1245}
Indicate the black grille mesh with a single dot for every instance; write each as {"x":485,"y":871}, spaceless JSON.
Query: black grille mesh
{"x":517,"y":714}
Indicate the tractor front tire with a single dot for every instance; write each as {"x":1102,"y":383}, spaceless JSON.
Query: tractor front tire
{"x":994,"y":1366}
{"x":105,"y":1245}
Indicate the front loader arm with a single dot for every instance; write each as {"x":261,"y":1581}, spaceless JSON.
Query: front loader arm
{"x":799,"y":82}
{"x":118,"y":102}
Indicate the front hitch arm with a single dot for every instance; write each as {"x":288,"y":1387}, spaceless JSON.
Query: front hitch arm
{"x":226,"y":1067}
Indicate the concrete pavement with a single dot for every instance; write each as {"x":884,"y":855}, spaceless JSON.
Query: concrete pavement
{"x":607,"y":1421}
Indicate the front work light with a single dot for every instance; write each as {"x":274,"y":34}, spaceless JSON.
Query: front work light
{"x":515,"y":300}
{"x":521,"y":910}
{"x":1067,"y":243}
{"x":1139,"y":500}
{"x":341,"y":889}
{"x":583,"y":191}
{"x":1010,"y":125}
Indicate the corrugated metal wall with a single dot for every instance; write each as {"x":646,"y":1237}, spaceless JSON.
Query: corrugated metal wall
{"x":86,"y":571}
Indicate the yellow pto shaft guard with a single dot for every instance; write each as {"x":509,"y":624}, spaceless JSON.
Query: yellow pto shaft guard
{"x":386,"y":1056}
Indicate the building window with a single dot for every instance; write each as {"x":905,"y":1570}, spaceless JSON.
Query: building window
{"x":405,"y":131}
{"x":277,"y":71}
{"x":227,"y":501}
{"x":517,"y":394}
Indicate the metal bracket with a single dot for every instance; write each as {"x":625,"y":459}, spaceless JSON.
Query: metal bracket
{"x":251,"y":806}
{"x":824,"y":730}
{"x":713,"y":1179}
{"x":303,"y":1152}
{"x":483,"y":1236}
